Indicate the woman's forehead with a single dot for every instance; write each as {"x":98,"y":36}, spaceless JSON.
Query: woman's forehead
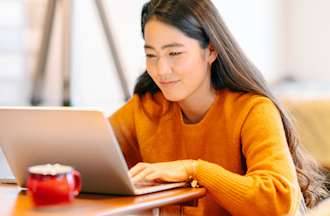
{"x":158,"y":34}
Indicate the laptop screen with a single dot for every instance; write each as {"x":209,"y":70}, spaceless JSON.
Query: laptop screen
{"x":5,"y":172}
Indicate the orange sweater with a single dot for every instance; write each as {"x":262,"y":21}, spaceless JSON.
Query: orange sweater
{"x":243,"y":158}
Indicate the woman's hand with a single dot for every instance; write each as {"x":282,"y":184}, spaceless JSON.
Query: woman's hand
{"x":153,"y":173}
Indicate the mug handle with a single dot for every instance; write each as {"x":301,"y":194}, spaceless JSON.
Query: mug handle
{"x":77,"y":182}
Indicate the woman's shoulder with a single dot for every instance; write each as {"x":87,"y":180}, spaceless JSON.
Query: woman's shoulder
{"x":244,"y":102}
{"x":244,"y":98}
{"x":150,"y":104}
{"x":155,"y":102}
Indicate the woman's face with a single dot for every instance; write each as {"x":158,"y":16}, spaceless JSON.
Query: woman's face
{"x":177,"y":63}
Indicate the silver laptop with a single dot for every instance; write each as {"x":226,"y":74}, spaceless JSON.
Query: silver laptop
{"x":81,"y":138}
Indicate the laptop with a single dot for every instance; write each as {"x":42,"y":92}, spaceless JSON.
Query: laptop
{"x":78,"y":137}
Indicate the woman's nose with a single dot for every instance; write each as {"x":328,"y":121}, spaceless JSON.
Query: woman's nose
{"x":163,"y":67}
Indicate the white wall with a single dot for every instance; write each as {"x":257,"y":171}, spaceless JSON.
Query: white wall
{"x":308,"y":39}
{"x":257,"y":26}
{"x":13,"y":76}
{"x":94,"y":80}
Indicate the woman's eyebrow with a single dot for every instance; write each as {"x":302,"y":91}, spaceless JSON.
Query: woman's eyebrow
{"x":146,"y":46}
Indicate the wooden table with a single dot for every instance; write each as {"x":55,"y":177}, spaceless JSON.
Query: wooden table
{"x":14,"y":201}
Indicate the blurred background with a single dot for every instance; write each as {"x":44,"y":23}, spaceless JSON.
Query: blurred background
{"x":89,"y":53}
{"x":288,"y":40}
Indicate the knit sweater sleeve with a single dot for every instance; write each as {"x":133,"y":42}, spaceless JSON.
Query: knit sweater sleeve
{"x":269,"y":186}
{"x":123,"y":124}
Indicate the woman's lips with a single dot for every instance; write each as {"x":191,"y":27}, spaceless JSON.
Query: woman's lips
{"x":168,"y":83}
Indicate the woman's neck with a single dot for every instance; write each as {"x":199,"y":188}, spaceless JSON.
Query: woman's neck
{"x":196,"y":106}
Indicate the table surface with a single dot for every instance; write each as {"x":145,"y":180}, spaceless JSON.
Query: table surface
{"x":14,"y":201}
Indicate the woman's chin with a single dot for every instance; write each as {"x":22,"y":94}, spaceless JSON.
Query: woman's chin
{"x":173,"y":97}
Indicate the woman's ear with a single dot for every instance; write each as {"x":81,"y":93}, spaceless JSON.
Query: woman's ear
{"x":212,"y":54}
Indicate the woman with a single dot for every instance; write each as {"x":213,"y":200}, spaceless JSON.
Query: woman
{"x":203,"y":112}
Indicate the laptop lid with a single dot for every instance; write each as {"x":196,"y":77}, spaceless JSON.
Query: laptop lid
{"x":77,"y":137}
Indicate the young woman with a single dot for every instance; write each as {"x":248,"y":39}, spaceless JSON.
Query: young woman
{"x":203,"y":112}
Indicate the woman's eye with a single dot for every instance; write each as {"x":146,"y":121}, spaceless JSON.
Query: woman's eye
{"x":150,"y":55}
{"x":175,"y":53}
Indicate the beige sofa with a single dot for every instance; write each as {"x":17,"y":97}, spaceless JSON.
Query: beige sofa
{"x":312,"y":119}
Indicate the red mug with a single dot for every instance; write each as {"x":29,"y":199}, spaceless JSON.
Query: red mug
{"x":53,"y":184}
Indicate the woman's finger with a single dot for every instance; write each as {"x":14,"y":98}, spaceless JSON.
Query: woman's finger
{"x":137,"y":169}
{"x":140,"y":176}
{"x":153,"y":177}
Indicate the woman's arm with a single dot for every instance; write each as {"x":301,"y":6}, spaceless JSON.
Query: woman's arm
{"x":123,"y":124}
{"x":270,"y":185}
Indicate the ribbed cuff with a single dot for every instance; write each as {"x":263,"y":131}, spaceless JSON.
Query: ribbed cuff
{"x":225,"y":185}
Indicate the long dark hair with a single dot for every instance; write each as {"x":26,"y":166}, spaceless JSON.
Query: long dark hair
{"x":199,"y":19}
